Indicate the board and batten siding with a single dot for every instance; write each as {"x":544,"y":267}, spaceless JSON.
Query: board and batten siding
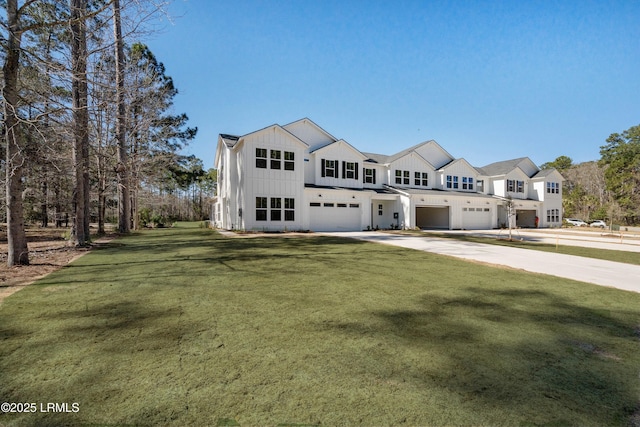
{"x":272,"y":183}
{"x":412,"y":163}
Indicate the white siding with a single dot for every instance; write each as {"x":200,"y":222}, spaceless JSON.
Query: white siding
{"x":517,"y":175}
{"x":310,"y":133}
{"x":411,"y":163}
{"x":434,"y":154}
{"x":272,"y":183}
{"x":338,"y":152}
{"x":460,"y":169}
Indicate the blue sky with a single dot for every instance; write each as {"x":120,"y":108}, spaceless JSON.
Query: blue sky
{"x":487,"y":80}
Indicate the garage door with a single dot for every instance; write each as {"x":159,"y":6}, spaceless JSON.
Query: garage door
{"x":525,"y":218}
{"x":476,"y":218}
{"x":335,"y":216}
{"x":432,"y":217}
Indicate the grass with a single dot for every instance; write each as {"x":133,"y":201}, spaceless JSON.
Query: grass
{"x":185,"y":327}
{"x":626,"y":257}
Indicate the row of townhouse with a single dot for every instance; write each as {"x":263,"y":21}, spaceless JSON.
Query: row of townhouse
{"x":299,"y":177}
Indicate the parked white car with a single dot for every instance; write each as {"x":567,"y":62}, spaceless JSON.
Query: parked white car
{"x":598,"y":223}
{"x":576,"y":222}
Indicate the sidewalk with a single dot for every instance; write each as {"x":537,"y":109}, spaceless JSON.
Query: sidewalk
{"x":599,"y":272}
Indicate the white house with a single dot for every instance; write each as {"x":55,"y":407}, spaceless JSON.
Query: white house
{"x":300,"y":177}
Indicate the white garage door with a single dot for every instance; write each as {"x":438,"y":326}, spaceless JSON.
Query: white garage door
{"x":476,"y":218}
{"x":335,"y":216}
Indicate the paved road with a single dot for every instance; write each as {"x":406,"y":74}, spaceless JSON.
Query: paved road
{"x":604,"y":273}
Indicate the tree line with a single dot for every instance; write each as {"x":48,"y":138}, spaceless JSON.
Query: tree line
{"x":88,"y":130}
{"x":608,"y":188}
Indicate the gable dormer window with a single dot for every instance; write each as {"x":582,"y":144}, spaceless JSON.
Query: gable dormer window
{"x":261,"y":158}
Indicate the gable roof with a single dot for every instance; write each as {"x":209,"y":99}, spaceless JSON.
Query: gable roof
{"x":306,"y":120}
{"x":376,"y":158}
{"x":341,"y":141}
{"x":453,"y":162}
{"x":547,"y":172}
{"x":384,"y":159}
{"x":501,"y":168}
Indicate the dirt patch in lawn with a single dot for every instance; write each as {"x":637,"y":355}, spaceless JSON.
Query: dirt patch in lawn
{"x":48,"y":252}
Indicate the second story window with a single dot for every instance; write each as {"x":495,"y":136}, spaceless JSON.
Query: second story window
{"x":467,"y":183}
{"x":511,"y":185}
{"x":261,"y":158}
{"x":553,"y":187}
{"x":289,"y":158}
{"x":520,"y":186}
{"x":403,"y":177}
{"x":421,"y":178}
{"x":329,"y":168}
{"x":276,"y":155}
{"x":369,"y":176}
{"x":449,"y":181}
{"x":349,"y":170}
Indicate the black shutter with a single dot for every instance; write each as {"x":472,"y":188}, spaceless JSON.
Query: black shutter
{"x":344,"y":169}
{"x":374,"y":176}
{"x":337,"y":162}
{"x":363,"y":175}
{"x":322,"y":167}
{"x":356,"y":171}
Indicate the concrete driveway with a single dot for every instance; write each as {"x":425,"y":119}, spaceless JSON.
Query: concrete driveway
{"x":604,"y":273}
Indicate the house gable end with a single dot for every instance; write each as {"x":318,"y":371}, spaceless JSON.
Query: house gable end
{"x":309,"y":132}
{"x":434,"y":154}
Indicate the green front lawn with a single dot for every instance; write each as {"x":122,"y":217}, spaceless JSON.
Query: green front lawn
{"x":185,"y":327}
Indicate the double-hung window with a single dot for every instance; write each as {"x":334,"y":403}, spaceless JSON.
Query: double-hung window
{"x":467,"y":183}
{"x":449,"y":181}
{"x":289,"y":209}
{"x":329,"y":168}
{"x":511,"y":184}
{"x":406,"y":179}
{"x":261,"y":158}
{"x":289,"y":163}
{"x":369,"y":176}
{"x":421,"y":178}
{"x":455,"y":182}
{"x":276,"y":209}
{"x":349,"y":170}
{"x":261,"y":208}
{"x":520,"y":186}
{"x":276,"y":156}
{"x":398,"y":177}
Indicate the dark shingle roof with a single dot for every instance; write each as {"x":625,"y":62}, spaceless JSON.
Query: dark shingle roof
{"x":500,"y":168}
